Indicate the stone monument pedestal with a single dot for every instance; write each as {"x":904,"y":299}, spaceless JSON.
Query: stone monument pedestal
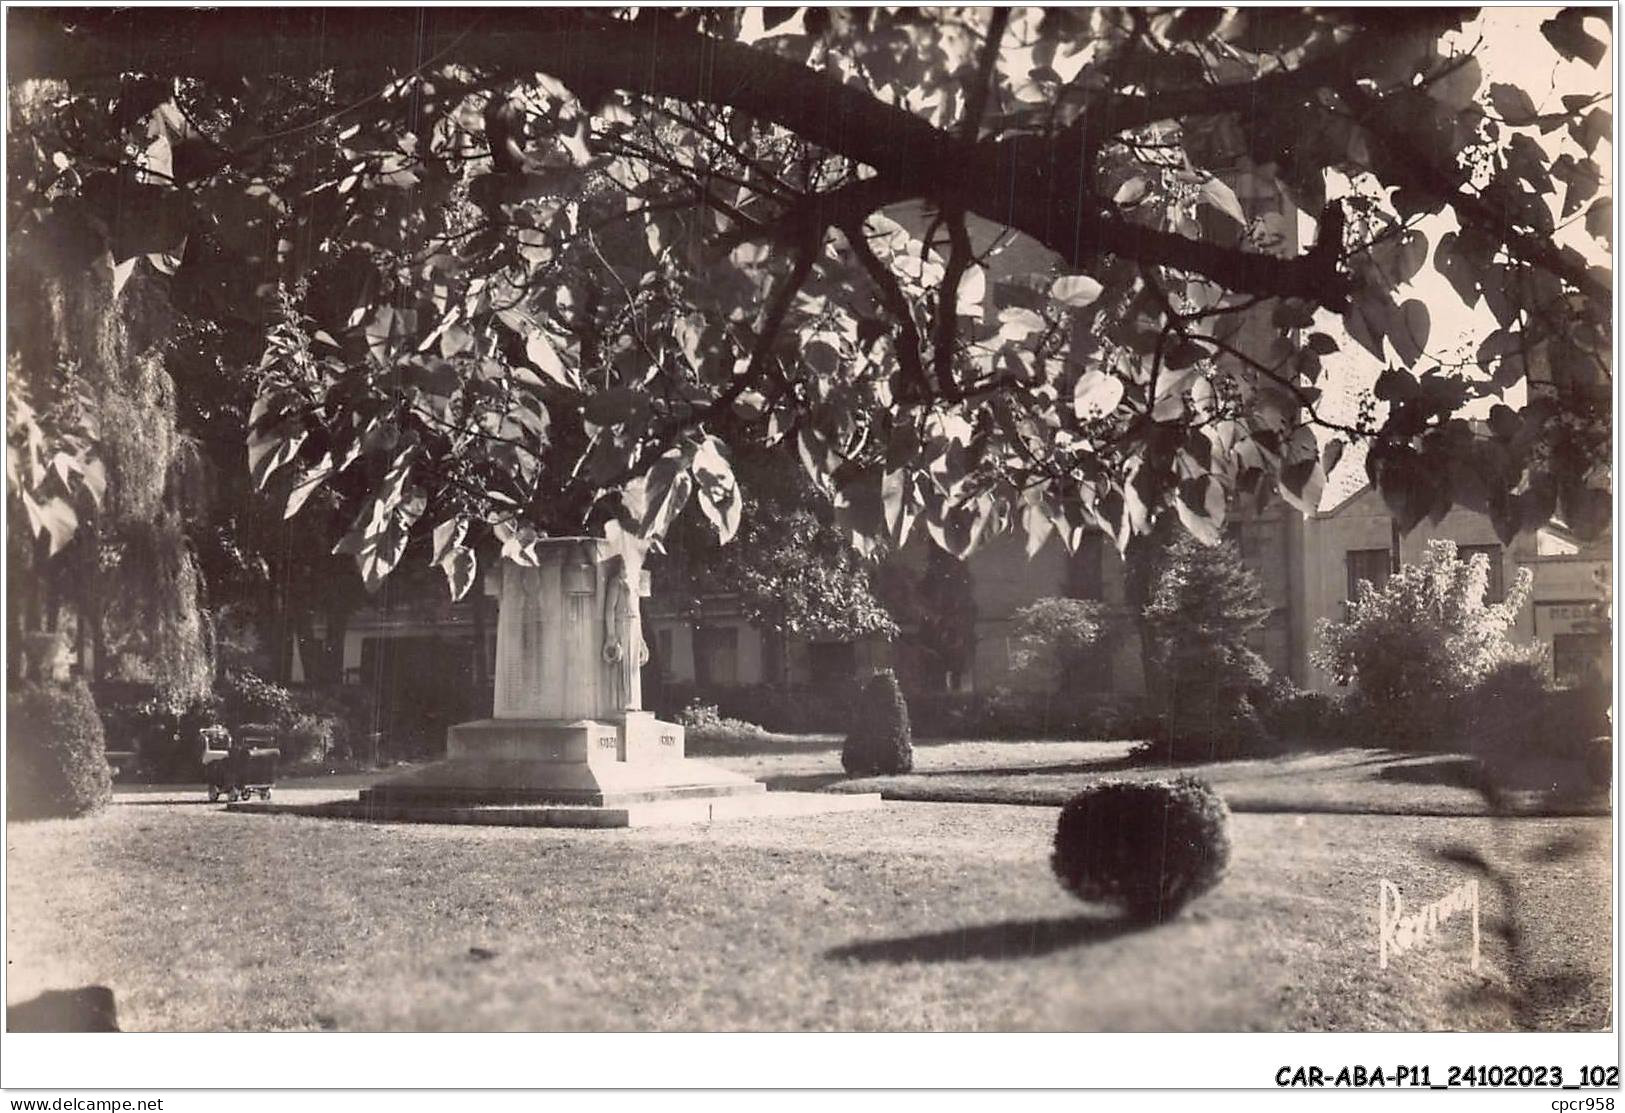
{"x":585,"y":762}
{"x":568,"y":743}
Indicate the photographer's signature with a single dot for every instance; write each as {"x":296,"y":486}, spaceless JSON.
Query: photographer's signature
{"x":1398,"y":931}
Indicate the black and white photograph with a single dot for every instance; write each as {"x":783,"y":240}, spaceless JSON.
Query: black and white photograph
{"x":592,"y":519}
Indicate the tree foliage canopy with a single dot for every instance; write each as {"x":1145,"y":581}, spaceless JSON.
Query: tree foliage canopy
{"x":789,"y":570}
{"x":982,"y":269}
{"x":1427,"y":632}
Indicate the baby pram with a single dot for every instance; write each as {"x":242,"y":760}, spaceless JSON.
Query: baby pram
{"x":241,"y":767}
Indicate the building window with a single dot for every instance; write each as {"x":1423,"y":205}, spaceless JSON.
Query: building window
{"x":1495,"y":592}
{"x":1579,"y":659}
{"x":1373,"y":565}
{"x":716,"y":656}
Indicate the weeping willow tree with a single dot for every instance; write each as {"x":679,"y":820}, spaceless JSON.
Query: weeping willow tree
{"x":101,"y":481}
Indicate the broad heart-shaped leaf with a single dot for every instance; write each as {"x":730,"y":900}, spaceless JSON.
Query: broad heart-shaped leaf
{"x":387,"y":328}
{"x":718,"y":491}
{"x":1583,"y":181}
{"x":1566,"y":32}
{"x":539,"y":350}
{"x":380,"y":535}
{"x":1512,"y":104}
{"x":1454,"y":264}
{"x":1409,"y":253}
{"x":960,"y":528}
{"x":518,"y":540}
{"x":773,"y":17}
{"x":1036,"y":525}
{"x":653,"y":500}
{"x":1457,"y":88}
{"x":307,"y":485}
{"x":448,"y":538}
{"x":55,"y":518}
{"x":859,"y":512}
{"x":94,"y":478}
{"x":1302,"y":479}
{"x":268,"y":451}
{"x":122,"y":272}
{"x":1600,"y":219}
{"x":1223,"y":198}
{"x":896,"y":507}
{"x":1592,"y":129}
{"x":1367,"y":322}
{"x":1395,"y":385}
{"x":1096,"y":395}
{"x":1076,"y":290}
{"x":454,"y":340}
{"x":461,"y":569}
{"x":1301,"y":484}
{"x":1409,"y":331}
{"x":1130,"y":191}
{"x":1331,"y":455}
{"x":1408,"y":485}
{"x":1201,"y":508}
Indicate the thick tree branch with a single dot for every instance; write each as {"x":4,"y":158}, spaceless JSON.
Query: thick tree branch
{"x":976,"y":102}
{"x":896,"y":303}
{"x":1036,"y":184}
{"x":778,"y":307}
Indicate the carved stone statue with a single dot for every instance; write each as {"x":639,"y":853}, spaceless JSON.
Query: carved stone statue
{"x":624,"y":648}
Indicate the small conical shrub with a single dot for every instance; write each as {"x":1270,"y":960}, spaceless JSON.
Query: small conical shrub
{"x":56,"y":757}
{"x":879,"y":741}
{"x":1146,"y":846}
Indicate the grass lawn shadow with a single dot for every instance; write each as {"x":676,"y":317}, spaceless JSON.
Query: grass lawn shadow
{"x":1010,"y":939}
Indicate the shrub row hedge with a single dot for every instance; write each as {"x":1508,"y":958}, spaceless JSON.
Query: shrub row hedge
{"x":1004,"y":713}
{"x":314,"y":726}
{"x":56,"y":752}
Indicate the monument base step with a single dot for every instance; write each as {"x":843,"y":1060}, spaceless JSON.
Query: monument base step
{"x":452,"y":796}
{"x":509,"y":782}
{"x":678,"y":810}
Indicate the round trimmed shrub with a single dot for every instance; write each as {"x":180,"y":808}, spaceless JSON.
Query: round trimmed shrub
{"x":56,"y":755}
{"x":879,"y":740}
{"x":1147,"y":846}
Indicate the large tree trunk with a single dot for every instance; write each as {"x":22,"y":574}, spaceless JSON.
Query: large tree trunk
{"x":338,"y":629}
{"x":98,"y":641}
{"x":312,"y":650}
{"x":280,"y":641}
{"x":1142,"y":563}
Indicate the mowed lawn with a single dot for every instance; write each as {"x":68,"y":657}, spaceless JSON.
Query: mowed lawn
{"x":917,"y":916}
{"x":1363,"y":779}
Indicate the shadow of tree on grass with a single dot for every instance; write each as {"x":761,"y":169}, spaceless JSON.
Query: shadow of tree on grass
{"x":1011,"y":939}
